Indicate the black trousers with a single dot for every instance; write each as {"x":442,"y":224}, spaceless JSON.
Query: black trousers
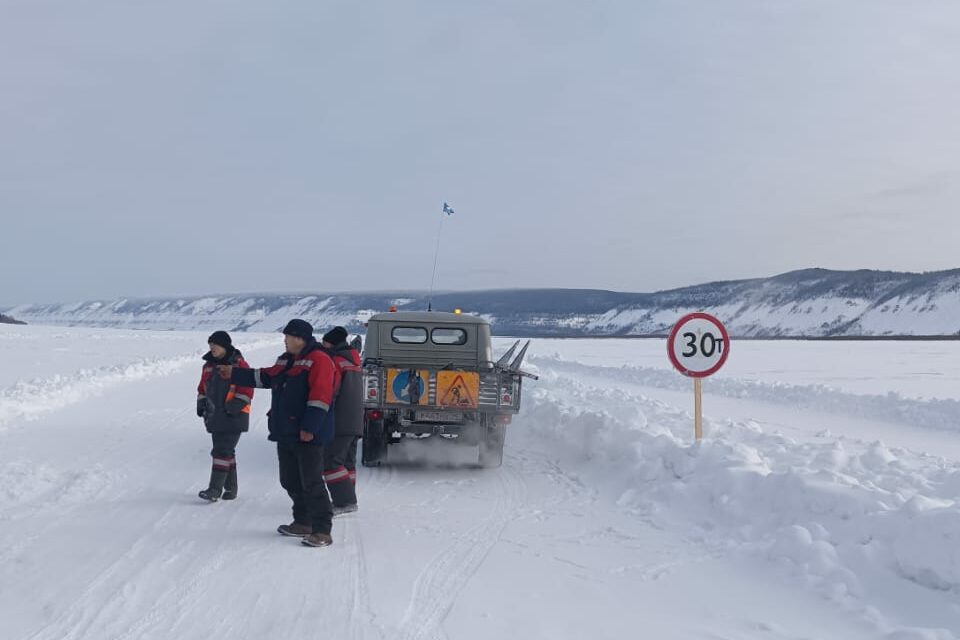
{"x":301,"y":474}
{"x":336,"y":473}
{"x":351,"y":462}
{"x":225,"y":444}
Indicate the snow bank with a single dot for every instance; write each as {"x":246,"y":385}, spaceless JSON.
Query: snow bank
{"x":875,"y":530}
{"x":937,"y":414}
{"x":27,"y":400}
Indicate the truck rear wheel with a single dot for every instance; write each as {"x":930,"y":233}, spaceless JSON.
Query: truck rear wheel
{"x":491,"y":445}
{"x":374,"y":443}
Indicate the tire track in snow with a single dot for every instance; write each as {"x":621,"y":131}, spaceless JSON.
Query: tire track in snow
{"x":55,"y":500}
{"x":155,"y":585}
{"x":183,"y":596}
{"x":361,"y":622}
{"x":438,"y":585}
{"x":169,"y":572}
{"x":102,"y":608}
{"x":92,"y":605}
{"x":375,"y":480}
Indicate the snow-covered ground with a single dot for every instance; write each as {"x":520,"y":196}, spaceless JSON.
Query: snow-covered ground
{"x":822,"y":503}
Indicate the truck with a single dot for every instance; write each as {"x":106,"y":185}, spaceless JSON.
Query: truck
{"x":432,"y":374}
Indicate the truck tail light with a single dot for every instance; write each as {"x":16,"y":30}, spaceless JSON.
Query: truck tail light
{"x":504,"y":419}
{"x":507,"y":398}
{"x":375,"y":415}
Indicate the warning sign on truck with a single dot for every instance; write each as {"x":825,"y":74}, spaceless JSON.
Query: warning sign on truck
{"x":458,"y":389}
{"x":407,"y":386}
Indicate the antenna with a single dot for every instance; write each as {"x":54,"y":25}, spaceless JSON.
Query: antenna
{"x":446,"y":211}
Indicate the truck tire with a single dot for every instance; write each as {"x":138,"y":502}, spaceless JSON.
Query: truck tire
{"x":373,"y":446}
{"x":491,"y":445}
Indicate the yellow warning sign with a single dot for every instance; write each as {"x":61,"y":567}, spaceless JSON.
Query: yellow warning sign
{"x":408,"y":386}
{"x":458,"y":389}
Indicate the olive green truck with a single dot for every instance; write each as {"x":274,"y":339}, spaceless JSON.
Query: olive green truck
{"x":432,"y":374}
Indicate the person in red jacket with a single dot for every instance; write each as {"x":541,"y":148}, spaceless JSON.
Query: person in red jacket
{"x":301,"y":422}
{"x":340,"y":455}
{"x":225,"y":409}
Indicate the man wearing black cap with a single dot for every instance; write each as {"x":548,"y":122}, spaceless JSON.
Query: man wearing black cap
{"x":340,"y":456}
{"x":225,"y":409}
{"x":301,"y":422}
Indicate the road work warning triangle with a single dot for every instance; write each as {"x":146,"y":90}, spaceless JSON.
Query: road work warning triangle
{"x":458,"y":393}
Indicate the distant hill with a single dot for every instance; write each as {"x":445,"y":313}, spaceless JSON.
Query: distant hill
{"x":807,"y":303}
{"x":8,"y":320}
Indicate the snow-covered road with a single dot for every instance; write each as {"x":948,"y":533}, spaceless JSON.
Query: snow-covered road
{"x":790,"y":520}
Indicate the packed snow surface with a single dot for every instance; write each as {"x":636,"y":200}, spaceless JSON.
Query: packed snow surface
{"x":821,"y":503}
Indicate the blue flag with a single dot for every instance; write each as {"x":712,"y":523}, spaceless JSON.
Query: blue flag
{"x":447,"y":209}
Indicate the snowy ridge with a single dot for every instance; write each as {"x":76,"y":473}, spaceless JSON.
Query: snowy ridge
{"x":865,"y":525}
{"x":30,"y":399}
{"x":812,"y":303}
{"x":935,"y":414}
{"x":254,"y":313}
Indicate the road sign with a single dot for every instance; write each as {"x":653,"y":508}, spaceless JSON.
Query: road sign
{"x":698,"y":345}
{"x":399,"y":386}
{"x":458,"y":389}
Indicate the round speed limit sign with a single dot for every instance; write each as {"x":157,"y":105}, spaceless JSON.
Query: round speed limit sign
{"x":698,"y":345}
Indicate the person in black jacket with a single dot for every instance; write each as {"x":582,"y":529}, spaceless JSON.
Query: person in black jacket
{"x":225,"y":409}
{"x":301,"y":422}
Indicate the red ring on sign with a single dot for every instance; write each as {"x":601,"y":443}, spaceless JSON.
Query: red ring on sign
{"x":673,"y":336}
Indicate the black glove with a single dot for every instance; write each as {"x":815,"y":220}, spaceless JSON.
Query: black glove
{"x":234,"y":407}
{"x":201,"y":407}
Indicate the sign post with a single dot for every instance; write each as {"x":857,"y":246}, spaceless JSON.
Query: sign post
{"x":698,"y":408}
{"x":697,"y":347}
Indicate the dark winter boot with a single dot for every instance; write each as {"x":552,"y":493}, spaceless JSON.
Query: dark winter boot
{"x":212,"y":493}
{"x":339,"y":510}
{"x":230,"y":487}
{"x":218,"y":476}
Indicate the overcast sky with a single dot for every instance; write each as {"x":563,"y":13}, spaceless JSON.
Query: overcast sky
{"x":162,"y":148}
